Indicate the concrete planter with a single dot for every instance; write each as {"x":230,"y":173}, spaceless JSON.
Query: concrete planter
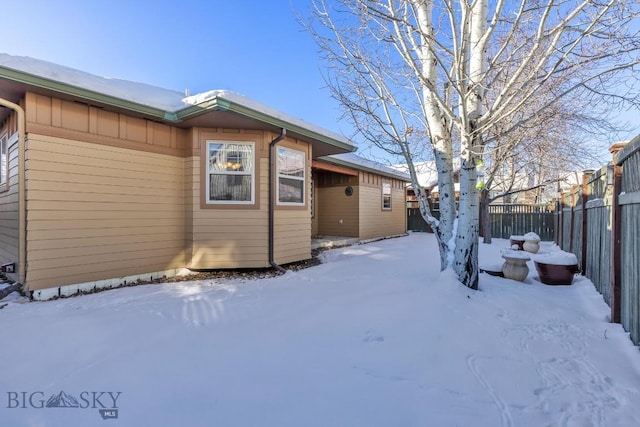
{"x":532,"y":246}
{"x":517,"y":240}
{"x":515,"y":266}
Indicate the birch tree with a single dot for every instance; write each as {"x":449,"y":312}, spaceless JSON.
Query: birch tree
{"x":534,"y":157}
{"x":449,"y":74}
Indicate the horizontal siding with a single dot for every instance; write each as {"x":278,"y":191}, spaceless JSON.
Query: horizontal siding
{"x":377,"y":223}
{"x":292,"y":230}
{"x":40,"y":278}
{"x":337,"y":213}
{"x":99,"y":232}
{"x":99,"y":212}
{"x":9,"y":222}
{"x":53,"y":244}
{"x":131,"y":225}
{"x":226,"y":238}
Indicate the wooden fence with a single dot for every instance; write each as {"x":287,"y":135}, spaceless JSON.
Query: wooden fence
{"x":509,"y":220}
{"x":506,"y":220}
{"x":598,"y":221}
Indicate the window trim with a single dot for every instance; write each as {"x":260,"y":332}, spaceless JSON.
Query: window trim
{"x":384,"y":184}
{"x":296,"y":178}
{"x":207,"y":175}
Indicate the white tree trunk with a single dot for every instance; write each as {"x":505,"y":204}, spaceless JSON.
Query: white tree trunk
{"x":435,"y":51}
{"x":466,"y":248}
{"x":438,"y":132}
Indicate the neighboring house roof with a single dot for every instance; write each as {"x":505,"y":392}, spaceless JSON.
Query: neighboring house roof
{"x":456,"y":188}
{"x":426,"y":171}
{"x":18,"y":74}
{"x":354,"y":161}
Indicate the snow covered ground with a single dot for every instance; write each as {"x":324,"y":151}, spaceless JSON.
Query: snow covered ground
{"x":375,"y":336}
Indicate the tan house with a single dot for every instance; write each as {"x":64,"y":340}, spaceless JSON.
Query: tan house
{"x":104,"y":181}
{"x":355,"y":197}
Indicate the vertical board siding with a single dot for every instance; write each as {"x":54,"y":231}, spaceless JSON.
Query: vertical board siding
{"x":576,"y":242}
{"x":630,"y":268}
{"x":630,"y":244}
{"x":76,"y":121}
{"x":509,"y":220}
{"x":566,"y":229}
{"x":599,"y":234}
{"x":98,"y":212}
{"x":631,"y":173}
{"x":376,"y":222}
{"x":598,"y":268}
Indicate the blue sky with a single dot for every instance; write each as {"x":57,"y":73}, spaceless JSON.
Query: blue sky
{"x":256,"y":48}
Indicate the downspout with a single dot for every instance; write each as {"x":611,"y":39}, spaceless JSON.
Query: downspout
{"x":272,"y":198}
{"x":22,"y":208}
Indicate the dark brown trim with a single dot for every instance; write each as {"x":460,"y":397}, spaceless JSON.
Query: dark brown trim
{"x":333,"y":168}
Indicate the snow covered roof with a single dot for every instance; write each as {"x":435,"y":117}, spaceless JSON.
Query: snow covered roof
{"x":426,"y":171}
{"x":360,"y":163}
{"x":140,"y":93}
{"x":456,"y":187}
{"x":158,"y":103}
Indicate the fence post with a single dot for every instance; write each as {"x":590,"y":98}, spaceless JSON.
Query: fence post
{"x":560,"y":220}
{"x":616,"y":247}
{"x":586,"y":175}
{"x":574,"y":202}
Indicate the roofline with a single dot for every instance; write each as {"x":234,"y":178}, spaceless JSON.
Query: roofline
{"x":340,"y":162}
{"x":67,"y":89}
{"x":218,"y":103}
{"x":221,"y":103}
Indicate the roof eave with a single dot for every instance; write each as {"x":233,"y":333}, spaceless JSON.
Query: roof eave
{"x":86,"y":94}
{"x":219,"y":103}
{"x":363,"y":168}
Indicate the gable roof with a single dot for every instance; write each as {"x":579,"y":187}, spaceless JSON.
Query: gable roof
{"x":354,"y":161}
{"x":221,"y":108}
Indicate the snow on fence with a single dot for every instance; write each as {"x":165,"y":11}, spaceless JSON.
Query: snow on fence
{"x":597,"y":221}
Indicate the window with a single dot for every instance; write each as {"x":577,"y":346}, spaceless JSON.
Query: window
{"x":4,"y":160}
{"x":230,"y":172}
{"x":386,"y":196}
{"x":291,"y":172}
